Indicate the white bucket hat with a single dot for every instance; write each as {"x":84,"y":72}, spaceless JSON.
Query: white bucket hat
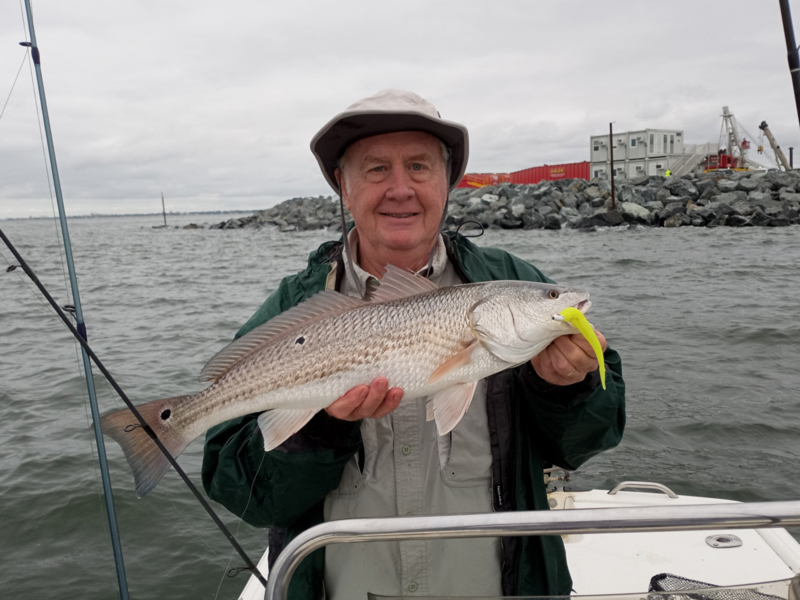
{"x":386,"y":112}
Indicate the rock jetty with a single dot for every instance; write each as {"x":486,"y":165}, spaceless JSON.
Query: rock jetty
{"x":740,"y":199}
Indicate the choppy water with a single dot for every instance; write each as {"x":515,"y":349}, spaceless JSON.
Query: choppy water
{"x":706,"y":320}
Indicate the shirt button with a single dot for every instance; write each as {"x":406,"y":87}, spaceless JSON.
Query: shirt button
{"x":412,"y":587}
{"x":406,"y":450}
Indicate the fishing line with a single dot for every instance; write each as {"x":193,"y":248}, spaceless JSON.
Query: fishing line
{"x":22,"y":64}
{"x":233,"y":572}
{"x":143,"y":424}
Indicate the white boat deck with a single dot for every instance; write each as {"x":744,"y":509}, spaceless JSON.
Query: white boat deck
{"x":624,"y":563}
{"x":616,"y":563}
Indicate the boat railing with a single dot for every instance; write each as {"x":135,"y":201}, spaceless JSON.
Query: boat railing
{"x":558,"y":522}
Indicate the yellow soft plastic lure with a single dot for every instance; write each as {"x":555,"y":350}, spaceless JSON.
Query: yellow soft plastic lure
{"x":577,"y":319}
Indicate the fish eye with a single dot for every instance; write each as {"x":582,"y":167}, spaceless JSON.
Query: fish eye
{"x":552,"y":294}
{"x":166,"y":414}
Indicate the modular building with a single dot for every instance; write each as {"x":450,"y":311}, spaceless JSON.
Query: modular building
{"x":637,"y":153}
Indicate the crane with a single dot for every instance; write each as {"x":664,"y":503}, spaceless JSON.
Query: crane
{"x":775,"y":148}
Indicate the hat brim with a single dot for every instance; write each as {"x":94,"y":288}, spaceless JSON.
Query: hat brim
{"x":332,"y":140}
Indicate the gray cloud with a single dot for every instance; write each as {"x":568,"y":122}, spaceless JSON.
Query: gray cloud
{"x":215,"y":104}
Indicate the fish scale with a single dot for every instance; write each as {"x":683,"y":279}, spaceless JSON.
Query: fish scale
{"x":429,"y":341}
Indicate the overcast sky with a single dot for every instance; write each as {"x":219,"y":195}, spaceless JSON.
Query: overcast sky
{"x":214,"y":103}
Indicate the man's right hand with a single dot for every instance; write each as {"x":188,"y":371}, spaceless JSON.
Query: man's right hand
{"x":372,"y":401}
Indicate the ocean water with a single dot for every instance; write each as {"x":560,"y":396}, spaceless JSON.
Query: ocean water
{"x":706,"y":320}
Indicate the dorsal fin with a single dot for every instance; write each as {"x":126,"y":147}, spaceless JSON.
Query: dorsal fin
{"x":323,"y":304}
{"x":397,"y":283}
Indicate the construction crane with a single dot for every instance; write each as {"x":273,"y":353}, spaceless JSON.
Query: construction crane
{"x":775,"y":148}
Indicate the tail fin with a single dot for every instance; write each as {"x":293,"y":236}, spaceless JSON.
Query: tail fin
{"x":147,"y":462}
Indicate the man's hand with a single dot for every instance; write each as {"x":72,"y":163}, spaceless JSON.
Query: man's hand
{"x":372,"y":401}
{"x":567,"y":360}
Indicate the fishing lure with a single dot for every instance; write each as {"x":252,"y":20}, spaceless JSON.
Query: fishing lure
{"x":579,"y":321}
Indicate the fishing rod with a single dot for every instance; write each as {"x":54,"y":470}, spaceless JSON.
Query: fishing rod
{"x":90,"y":353}
{"x":791,"y":49}
{"x":79,"y":331}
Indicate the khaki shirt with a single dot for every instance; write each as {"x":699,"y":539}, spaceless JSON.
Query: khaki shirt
{"x":409,"y":470}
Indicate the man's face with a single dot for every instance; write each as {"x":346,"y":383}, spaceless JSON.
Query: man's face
{"x":395,"y":187}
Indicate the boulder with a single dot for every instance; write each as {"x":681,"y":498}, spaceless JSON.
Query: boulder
{"x":633,"y":213}
{"x":571,"y":215}
{"x":552,"y":221}
{"x":604,"y":219}
{"x":727,"y":185}
{"x":677,"y":220}
{"x":749,"y":184}
{"x":532,"y":220}
{"x":681,"y":187}
{"x":739,"y":221}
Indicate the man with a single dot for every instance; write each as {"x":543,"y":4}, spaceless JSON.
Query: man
{"x":393,"y":160}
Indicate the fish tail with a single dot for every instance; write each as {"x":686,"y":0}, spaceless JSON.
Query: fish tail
{"x":146,"y":461}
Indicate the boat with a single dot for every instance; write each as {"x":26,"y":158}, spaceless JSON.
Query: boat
{"x":663,"y":542}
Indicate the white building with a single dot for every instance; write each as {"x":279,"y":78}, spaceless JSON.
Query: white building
{"x":645,"y":152}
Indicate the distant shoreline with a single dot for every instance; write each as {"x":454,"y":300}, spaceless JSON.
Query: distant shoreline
{"x":154,"y":214}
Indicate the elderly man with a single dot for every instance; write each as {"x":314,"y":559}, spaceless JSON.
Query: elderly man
{"x":393,"y":160}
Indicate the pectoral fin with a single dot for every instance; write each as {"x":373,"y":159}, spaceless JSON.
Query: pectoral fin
{"x":278,"y":425}
{"x":456,"y":361}
{"x":450,"y":404}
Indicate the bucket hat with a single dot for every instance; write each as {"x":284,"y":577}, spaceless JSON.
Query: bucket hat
{"x":386,"y":112}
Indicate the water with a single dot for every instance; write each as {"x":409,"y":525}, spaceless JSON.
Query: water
{"x":706,"y":321}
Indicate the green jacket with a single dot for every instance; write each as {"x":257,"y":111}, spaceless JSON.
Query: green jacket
{"x":532,"y":424}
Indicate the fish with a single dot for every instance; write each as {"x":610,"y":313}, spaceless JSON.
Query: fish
{"x":431,"y":341}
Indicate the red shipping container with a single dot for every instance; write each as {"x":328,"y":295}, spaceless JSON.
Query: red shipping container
{"x":578,"y":170}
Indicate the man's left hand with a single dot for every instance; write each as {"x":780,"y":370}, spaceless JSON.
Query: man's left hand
{"x":567,"y":360}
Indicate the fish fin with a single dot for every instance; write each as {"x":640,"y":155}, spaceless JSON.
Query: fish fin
{"x":280,"y":424}
{"x":456,"y":361}
{"x":429,"y":416}
{"x":450,"y":404}
{"x":146,"y":461}
{"x":321,"y":305}
{"x":397,"y":283}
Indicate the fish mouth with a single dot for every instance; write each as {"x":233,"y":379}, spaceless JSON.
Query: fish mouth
{"x":584,"y":305}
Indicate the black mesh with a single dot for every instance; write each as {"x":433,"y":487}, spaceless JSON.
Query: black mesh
{"x":666,"y":582}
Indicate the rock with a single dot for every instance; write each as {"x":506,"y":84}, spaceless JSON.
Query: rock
{"x":489,"y":198}
{"x":739,"y":221}
{"x":633,"y":213}
{"x":510,"y":224}
{"x":654,"y":206}
{"x":192,"y":226}
{"x":698,"y":222}
{"x":727,"y":185}
{"x":681,"y":187}
{"x":570,"y":200}
{"x":677,"y":220}
{"x":704,"y":184}
{"x":662,"y":195}
{"x":604,"y":219}
{"x":532,"y":221}
{"x":585,"y":209}
{"x":517,"y":209}
{"x":748,"y":185}
{"x":571,"y":215}
{"x":552,"y":222}
{"x":727,"y":198}
{"x":789,"y":196}
{"x":591,"y":192}
{"x":544,"y":209}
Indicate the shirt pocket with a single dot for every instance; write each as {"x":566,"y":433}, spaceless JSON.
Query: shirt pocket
{"x":352,"y":480}
{"x":469,"y":462}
